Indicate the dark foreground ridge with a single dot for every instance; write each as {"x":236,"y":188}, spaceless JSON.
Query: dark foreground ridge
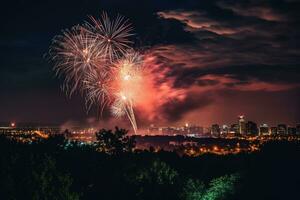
{"x":55,"y":168}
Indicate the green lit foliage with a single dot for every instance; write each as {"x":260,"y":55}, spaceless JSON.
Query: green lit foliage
{"x":193,"y":190}
{"x":218,"y":188}
{"x":157,"y":173}
{"x":114,"y":142}
{"x":156,"y":181}
{"x":221,"y":187}
{"x":47,"y":183}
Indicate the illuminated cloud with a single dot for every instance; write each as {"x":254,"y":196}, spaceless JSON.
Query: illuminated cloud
{"x":235,"y":56}
{"x":197,"y":20}
{"x":258,"y":11}
{"x":178,"y":86}
{"x":223,"y":82}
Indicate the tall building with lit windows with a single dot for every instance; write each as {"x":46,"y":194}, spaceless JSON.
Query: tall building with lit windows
{"x":251,"y":128}
{"x":264,"y":129}
{"x":242,"y":125}
{"x":292,"y":130}
{"x":215,"y":130}
{"x":224,"y":130}
{"x":298,"y":129}
{"x":282,"y":129}
{"x":273,"y":130}
{"x":234,"y":129}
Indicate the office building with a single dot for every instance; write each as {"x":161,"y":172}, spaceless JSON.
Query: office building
{"x":298,"y":129}
{"x":292,"y":130}
{"x":282,"y":129}
{"x":251,"y":128}
{"x":273,"y":130}
{"x":264,"y":129}
{"x":224,"y":130}
{"x":242,"y":125}
{"x":215,"y":130}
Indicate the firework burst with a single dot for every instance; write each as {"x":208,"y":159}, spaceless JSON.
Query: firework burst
{"x":96,"y":59}
{"x":112,"y":34}
{"x":74,"y":53}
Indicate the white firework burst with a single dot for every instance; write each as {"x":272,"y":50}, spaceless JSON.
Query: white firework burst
{"x":112,"y":34}
{"x":75,"y":53}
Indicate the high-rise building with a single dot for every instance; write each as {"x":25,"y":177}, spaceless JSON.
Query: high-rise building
{"x":186,"y":128}
{"x":292,"y":130}
{"x":282,"y":129}
{"x":224,"y":130}
{"x":298,"y":129}
{"x":242,"y":125}
{"x":273,"y":130}
{"x":197,"y":130}
{"x":251,"y":128}
{"x":234,"y":129}
{"x":264,"y":129}
{"x":215,"y":130}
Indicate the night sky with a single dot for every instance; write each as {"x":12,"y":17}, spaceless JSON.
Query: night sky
{"x":224,"y":58}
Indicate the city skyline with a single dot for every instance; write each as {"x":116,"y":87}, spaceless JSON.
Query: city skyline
{"x":92,"y":122}
{"x":243,"y":125}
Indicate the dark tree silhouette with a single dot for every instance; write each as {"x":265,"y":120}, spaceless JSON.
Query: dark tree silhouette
{"x":116,"y":142}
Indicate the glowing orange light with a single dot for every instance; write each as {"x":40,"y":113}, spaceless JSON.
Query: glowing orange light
{"x":216,"y":148}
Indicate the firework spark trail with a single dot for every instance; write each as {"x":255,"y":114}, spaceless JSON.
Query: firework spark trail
{"x":124,"y":106}
{"x":128,"y":73}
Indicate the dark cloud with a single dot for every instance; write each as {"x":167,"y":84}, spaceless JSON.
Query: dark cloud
{"x":174,"y":110}
{"x":249,"y":46}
